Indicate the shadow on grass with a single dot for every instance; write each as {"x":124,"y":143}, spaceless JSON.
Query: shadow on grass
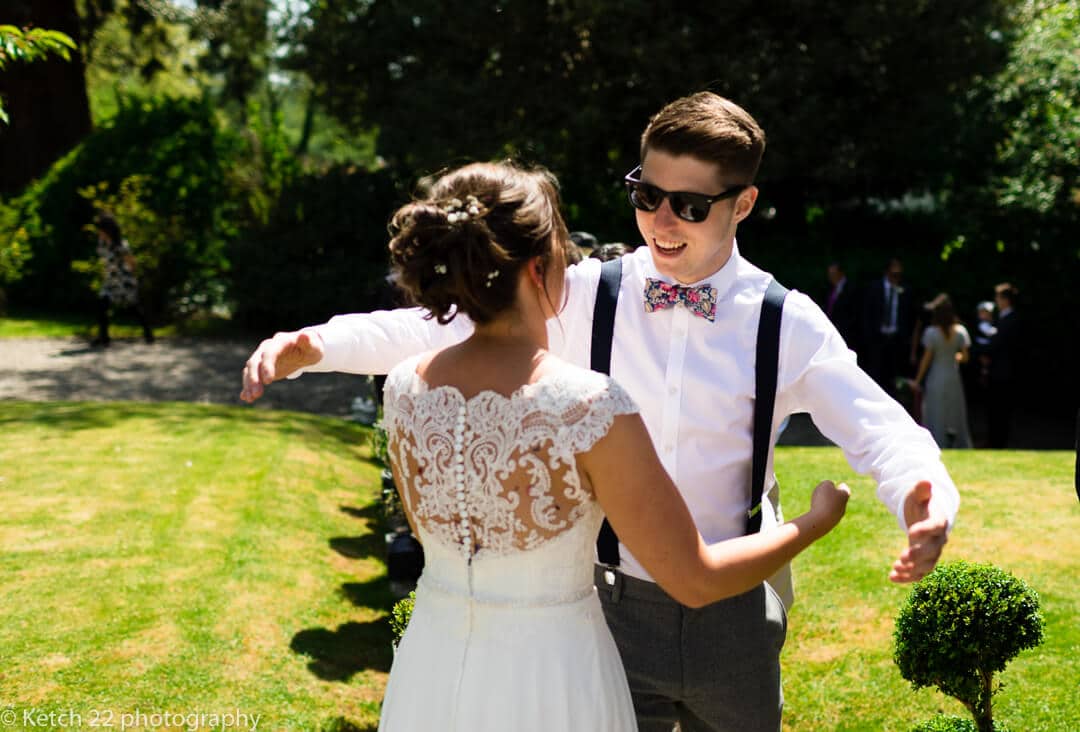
{"x":370,"y":542}
{"x":374,"y":593}
{"x":337,"y":655}
{"x":358,"y":547}
{"x":366,"y":512}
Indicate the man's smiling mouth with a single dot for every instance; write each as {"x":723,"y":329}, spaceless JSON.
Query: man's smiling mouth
{"x":669,"y":247}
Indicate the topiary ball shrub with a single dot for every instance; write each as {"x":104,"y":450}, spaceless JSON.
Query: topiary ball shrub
{"x":400,"y":615}
{"x":959,"y":626}
{"x":952,"y":723}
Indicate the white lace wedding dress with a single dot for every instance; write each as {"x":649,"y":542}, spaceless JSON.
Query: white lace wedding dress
{"x":508,"y":632}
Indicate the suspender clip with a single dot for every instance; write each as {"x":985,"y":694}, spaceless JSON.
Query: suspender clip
{"x":613,"y":578}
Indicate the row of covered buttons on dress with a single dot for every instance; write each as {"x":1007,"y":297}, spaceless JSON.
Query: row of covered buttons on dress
{"x":459,"y":479}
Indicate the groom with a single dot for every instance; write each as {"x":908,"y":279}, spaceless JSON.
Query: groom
{"x":692,"y":375}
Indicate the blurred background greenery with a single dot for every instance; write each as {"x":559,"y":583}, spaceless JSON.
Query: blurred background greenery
{"x":253,"y":150}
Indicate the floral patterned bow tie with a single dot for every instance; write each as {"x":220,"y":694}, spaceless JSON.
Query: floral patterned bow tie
{"x":699,"y":300}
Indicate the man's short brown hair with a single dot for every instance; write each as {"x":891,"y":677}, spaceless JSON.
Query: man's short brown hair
{"x":1007,"y":291}
{"x":711,"y":128}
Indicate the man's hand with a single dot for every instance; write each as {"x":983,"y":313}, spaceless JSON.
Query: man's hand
{"x":926,"y":537}
{"x":277,"y":357}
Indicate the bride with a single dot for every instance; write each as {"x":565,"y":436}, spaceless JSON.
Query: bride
{"x":507,"y":459}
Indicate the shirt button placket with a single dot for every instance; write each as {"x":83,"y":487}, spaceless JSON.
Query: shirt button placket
{"x":668,"y":438}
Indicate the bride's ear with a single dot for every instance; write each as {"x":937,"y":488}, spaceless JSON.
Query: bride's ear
{"x":536,"y":272}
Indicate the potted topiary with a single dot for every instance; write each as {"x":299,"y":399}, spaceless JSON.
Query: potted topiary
{"x":959,"y":626}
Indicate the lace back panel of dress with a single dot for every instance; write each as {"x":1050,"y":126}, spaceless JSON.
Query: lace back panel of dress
{"x":496,"y":474}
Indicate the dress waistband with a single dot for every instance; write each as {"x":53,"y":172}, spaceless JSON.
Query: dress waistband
{"x":434,"y":586}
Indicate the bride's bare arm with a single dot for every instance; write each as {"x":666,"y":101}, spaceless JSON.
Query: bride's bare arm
{"x":651,"y":518}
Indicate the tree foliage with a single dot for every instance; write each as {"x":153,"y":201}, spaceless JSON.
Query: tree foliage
{"x":140,"y":48}
{"x":324,"y":242}
{"x":183,"y":162}
{"x":47,"y":103}
{"x":239,"y":44}
{"x":1036,"y":93}
{"x":27,"y":46}
{"x":860,"y":99}
{"x":32,"y":44}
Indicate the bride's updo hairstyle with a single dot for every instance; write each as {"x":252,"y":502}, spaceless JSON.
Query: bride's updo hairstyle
{"x":459,"y":249}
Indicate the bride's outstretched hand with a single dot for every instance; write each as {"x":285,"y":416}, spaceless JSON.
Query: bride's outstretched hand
{"x":828,"y":504}
{"x":277,"y":357}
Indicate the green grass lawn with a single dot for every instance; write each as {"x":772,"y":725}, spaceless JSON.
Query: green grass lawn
{"x":190,"y":559}
{"x":199,"y":559}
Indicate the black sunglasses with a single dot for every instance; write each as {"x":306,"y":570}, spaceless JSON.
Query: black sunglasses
{"x":692,"y":207}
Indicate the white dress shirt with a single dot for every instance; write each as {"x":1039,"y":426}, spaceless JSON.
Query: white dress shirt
{"x":694,"y":382}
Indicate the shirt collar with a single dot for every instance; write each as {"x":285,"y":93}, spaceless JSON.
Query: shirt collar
{"x":722,"y":279}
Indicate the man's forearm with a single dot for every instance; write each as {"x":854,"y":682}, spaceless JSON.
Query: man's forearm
{"x":373,"y":343}
{"x":877,"y":435}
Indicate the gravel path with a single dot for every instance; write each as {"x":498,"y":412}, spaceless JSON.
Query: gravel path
{"x":172,"y":369}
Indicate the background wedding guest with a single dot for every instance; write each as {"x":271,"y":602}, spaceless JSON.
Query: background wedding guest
{"x":888,"y":322}
{"x":1006,"y":355}
{"x":946,"y":345}
{"x":841,"y":305}
{"x":979,"y":369}
{"x":119,"y":285}
{"x":981,"y":339}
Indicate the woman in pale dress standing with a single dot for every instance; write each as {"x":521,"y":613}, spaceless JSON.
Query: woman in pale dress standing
{"x":506,"y":459}
{"x":946,"y":343}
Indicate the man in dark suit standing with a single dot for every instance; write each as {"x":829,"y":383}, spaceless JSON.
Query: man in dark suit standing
{"x":1005,"y":354}
{"x":840,"y":305}
{"x":888,"y":320}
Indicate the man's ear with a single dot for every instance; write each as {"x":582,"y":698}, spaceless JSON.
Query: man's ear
{"x":744,"y":204}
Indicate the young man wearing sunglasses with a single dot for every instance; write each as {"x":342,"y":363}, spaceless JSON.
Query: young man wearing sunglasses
{"x":683,"y":345}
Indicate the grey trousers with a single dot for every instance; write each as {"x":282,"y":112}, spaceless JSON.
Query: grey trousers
{"x":713,"y":669}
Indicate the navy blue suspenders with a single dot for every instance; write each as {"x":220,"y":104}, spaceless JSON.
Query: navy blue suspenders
{"x":768,"y":352}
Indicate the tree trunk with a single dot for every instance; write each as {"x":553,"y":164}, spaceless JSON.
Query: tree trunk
{"x":309,"y":126}
{"x":984,"y":716}
{"x":46,"y":100}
